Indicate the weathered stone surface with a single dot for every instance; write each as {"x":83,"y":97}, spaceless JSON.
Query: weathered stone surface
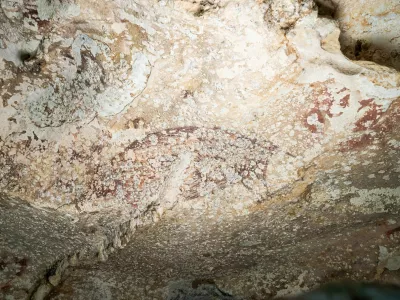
{"x":46,"y":131}
{"x":32,"y":241}
{"x":186,"y":162}
{"x":370,"y":30}
{"x":120,"y":113}
{"x":252,"y":252}
{"x":286,"y":13}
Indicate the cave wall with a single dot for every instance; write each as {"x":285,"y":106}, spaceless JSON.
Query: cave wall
{"x":116,"y":113}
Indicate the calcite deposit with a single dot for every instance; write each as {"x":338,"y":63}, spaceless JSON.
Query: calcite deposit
{"x":248,"y":148}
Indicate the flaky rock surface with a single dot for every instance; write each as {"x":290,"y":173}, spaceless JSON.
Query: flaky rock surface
{"x":241,"y":146}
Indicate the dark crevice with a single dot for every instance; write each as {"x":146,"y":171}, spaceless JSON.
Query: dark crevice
{"x":383,"y":54}
{"x":358,"y":49}
{"x":326,"y":8}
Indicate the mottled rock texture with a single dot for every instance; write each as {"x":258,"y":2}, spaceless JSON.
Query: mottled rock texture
{"x":262,"y":136}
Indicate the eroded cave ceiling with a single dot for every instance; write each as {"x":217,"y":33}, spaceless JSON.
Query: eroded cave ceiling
{"x":146,"y":146}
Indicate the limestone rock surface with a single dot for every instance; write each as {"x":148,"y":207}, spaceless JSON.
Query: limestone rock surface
{"x":252,"y":144}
